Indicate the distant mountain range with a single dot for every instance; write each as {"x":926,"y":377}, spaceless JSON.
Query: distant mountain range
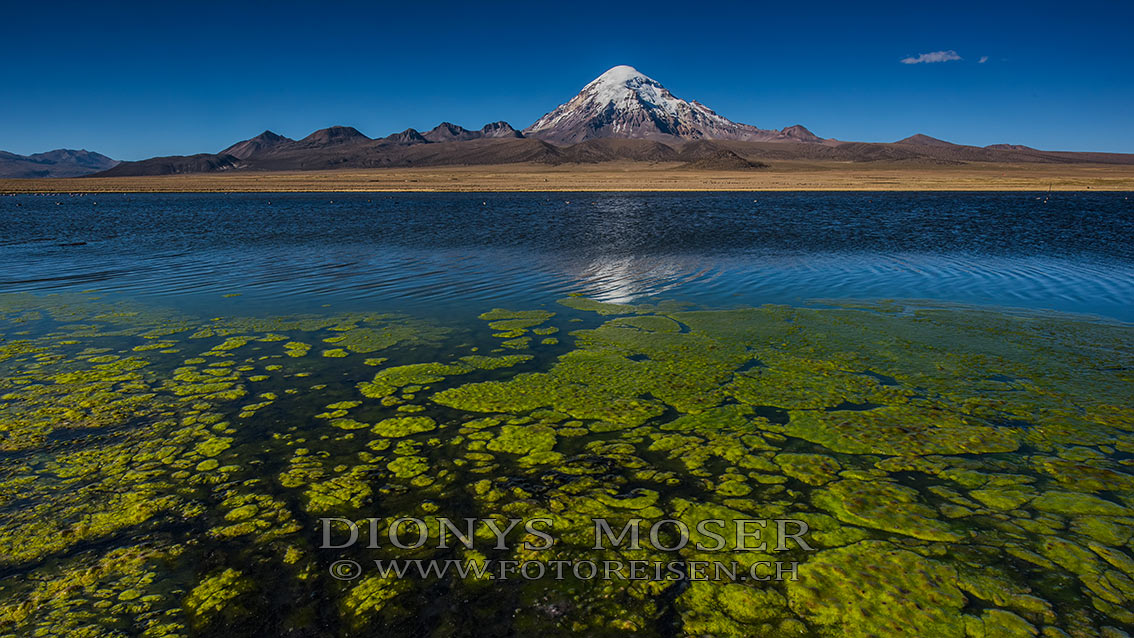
{"x":621,"y":115}
{"x":62,"y":162}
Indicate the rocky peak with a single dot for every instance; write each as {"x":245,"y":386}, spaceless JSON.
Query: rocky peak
{"x":623,"y":102}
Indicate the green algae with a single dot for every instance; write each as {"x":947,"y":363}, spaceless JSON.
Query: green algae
{"x":523,"y":439}
{"x":218,"y":595}
{"x":519,"y":343}
{"x":885,"y":506}
{"x":405,"y":467}
{"x":370,"y":597}
{"x":348,"y":424}
{"x":501,"y":314}
{"x":232,"y":343}
{"x":112,"y":594}
{"x":590,"y":305}
{"x":333,"y":495}
{"x":800,"y":384}
{"x":892,"y":433}
{"x":367,"y":340}
{"x":1003,"y":499}
{"x":481,"y":362}
{"x":1078,"y":503}
{"x":900,"y":430}
{"x":390,"y":380}
{"x":296,"y":349}
{"x":813,"y":469}
{"x":873,"y":588}
{"x":736,"y":610}
{"x":404,"y":426}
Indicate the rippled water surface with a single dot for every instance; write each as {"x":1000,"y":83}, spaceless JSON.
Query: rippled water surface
{"x":1064,"y":251}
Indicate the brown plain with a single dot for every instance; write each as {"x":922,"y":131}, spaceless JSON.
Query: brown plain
{"x":618,"y":176}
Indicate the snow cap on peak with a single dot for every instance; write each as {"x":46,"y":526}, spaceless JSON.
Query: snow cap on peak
{"x":620,"y":73}
{"x":621,"y":77}
{"x":625,"y":103}
{"x":626,"y":86}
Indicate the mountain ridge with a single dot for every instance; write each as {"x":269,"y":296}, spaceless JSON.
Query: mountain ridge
{"x":622,"y":115}
{"x":61,"y":162}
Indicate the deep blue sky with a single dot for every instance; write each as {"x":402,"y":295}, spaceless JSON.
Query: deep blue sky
{"x":138,"y":80}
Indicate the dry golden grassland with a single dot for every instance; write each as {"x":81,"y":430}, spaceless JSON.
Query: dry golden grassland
{"x":619,"y":176}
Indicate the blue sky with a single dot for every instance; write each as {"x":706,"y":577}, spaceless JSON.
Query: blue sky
{"x":134,"y":80}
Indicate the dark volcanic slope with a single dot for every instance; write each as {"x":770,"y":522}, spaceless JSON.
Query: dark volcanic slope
{"x":58,"y":163}
{"x":913,"y":154}
{"x":387,"y":152}
{"x":925,"y":140}
{"x":262,"y":143}
{"x":722,"y":160}
{"x":410,"y":148}
{"x":446,"y":132}
{"x":499,"y":129}
{"x":173,"y":165}
{"x":331,"y":136}
{"x":800,"y":133}
{"x":408,"y":136}
{"x":612,"y":149}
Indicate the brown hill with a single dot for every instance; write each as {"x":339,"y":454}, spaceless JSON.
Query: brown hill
{"x":499,"y":129}
{"x":408,"y":136}
{"x":332,"y":136}
{"x":173,"y":165}
{"x":612,"y":149}
{"x":470,"y":153}
{"x":722,"y":160}
{"x":332,"y":149}
{"x":924,"y":140}
{"x":446,"y":132}
{"x":263,"y":142}
{"x":799,"y":132}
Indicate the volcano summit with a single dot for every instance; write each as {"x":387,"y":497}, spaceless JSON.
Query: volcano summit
{"x":625,"y":103}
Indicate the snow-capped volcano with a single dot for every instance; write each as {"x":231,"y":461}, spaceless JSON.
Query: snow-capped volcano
{"x":626,"y":103}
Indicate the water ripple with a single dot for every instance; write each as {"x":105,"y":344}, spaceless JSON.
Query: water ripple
{"x":447,"y":250}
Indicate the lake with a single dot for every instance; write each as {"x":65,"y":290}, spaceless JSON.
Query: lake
{"x":1066,"y":251}
{"x":666,"y":414}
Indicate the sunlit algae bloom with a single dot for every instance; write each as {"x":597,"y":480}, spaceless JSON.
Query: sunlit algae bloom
{"x":962,"y":472}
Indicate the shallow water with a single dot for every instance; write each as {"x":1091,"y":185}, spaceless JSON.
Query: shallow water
{"x":167,"y":452}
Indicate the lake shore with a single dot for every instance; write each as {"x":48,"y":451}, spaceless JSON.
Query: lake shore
{"x":616,"y":176}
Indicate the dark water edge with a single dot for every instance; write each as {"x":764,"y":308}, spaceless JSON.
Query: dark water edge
{"x":167,"y":452}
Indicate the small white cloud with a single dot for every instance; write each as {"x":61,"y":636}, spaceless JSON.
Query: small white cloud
{"x":983,"y":59}
{"x":929,"y":58}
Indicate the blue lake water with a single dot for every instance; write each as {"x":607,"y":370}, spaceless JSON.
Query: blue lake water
{"x":1063,"y":251}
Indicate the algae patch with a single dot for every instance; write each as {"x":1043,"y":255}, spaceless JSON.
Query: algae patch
{"x":962,"y":472}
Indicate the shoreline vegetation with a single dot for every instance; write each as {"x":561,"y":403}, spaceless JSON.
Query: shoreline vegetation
{"x":616,"y":176}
